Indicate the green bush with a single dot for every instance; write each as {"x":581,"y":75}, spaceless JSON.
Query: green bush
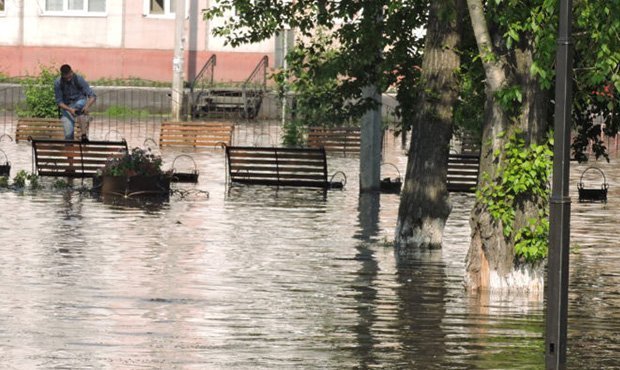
{"x":39,"y":91}
{"x":23,"y":178}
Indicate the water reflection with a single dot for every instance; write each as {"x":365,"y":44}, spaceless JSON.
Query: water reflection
{"x":147,"y":203}
{"x":261,"y":277}
{"x":364,"y":283}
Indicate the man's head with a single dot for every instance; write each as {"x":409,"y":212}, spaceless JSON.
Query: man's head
{"x":66,"y":72}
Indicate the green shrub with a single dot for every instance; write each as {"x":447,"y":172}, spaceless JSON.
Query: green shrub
{"x":22,"y":178}
{"x":39,"y":91}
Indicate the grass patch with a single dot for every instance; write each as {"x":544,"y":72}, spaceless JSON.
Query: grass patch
{"x":117,"y":111}
{"x":131,"y":81}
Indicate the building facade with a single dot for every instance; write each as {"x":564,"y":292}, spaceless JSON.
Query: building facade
{"x":117,"y":39}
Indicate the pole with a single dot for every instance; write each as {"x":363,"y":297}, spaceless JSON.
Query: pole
{"x":370,"y":132}
{"x":559,"y":217}
{"x":284,"y":67}
{"x":177,"y":61}
{"x":370,"y":138}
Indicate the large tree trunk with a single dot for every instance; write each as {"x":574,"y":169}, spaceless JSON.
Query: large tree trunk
{"x":491,"y":262}
{"x":424,"y":204}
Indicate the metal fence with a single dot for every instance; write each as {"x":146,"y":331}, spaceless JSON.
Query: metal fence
{"x":136,"y":113}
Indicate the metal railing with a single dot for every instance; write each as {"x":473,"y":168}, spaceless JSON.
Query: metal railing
{"x":136,"y":113}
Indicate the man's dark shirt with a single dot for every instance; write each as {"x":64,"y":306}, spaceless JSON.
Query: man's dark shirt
{"x":69,"y":92}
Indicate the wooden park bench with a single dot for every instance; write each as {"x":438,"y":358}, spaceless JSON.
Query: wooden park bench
{"x":279,"y":166}
{"x":335,"y":139}
{"x":41,"y":128}
{"x":74,"y":158}
{"x":195,"y":134}
{"x":463,"y":172}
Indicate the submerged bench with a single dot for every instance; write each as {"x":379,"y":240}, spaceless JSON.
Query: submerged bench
{"x":195,"y":134}
{"x":463,"y":172}
{"x":279,"y":166}
{"x":74,"y":158}
{"x":41,"y":128}
{"x":335,"y":139}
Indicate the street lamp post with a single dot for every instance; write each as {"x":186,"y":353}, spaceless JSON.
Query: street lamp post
{"x":559,"y":218}
{"x":178,"y":61}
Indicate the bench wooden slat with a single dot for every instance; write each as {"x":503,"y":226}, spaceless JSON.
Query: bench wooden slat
{"x":41,"y":128}
{"x":463,"y":171}
{"x":278,"y":166}
{"x":335,"y":139}
{"x":276,"y":170}
{"x":81,"y":158}
{"x":281,"y":176}
{"x":280,"y":155}
{"x":196,"y":134}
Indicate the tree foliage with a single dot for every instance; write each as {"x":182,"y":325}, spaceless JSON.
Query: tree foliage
{"x":379,"y":42}
{"x":312,"y":81}
{"x":523,"y":175}
{"x":597,"y":79}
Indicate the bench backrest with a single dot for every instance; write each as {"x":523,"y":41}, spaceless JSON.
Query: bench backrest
{"x":41,"y":128}
{"x":196,"y":134}
{"x":335,"y":139}
{"x":463,"y":172}
{"x":74,"y":158}
{"x":277,"y":166}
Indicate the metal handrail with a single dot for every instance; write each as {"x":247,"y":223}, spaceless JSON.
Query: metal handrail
{"x":262,"y":65}
{"x":208,"y":66}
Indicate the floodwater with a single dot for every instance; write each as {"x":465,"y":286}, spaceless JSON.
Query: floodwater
{"x":257,"y":277}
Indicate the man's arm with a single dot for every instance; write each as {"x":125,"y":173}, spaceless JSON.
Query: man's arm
{"x":58,"y":96}
{"x":67,"y":108}
{"x":91,"y":97}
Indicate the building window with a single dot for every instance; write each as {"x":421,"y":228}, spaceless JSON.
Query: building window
{"x":161,"y":7}
{"x":75,"y":6}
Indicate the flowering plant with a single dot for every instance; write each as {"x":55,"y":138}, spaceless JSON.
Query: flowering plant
{"x":139,"y":162}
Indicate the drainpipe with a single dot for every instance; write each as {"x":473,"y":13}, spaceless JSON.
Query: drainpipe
{"x":123,"y":26}
{"x":20,"y":38}
{"x":21,"y":22}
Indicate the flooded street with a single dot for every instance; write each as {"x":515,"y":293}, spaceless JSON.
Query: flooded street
{"x":257,"y":277}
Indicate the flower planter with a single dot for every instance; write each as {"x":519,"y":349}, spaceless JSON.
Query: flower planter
{"x":5,"y":168}
{"x":593,"y":194}
{"x":391,"y":186}
{"x":178,"y":176}
{"x":133,"y":185}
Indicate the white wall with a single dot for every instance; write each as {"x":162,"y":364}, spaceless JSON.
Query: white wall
{"x":44,"y":29}
{"x":9,"y":23}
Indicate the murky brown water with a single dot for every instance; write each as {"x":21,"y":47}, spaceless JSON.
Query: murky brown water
{"x":253,"y":277}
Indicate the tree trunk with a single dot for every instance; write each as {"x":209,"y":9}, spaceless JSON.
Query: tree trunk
{"x":491,"y":262}
{"x":424,"y":205}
